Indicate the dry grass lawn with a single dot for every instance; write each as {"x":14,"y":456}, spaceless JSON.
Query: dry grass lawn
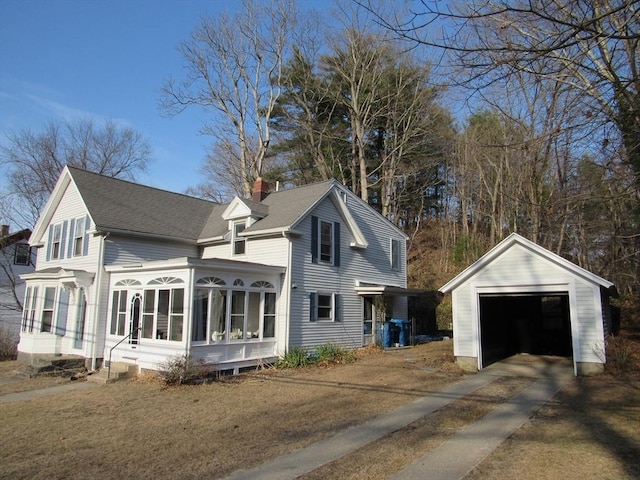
{"x":139,"y":429}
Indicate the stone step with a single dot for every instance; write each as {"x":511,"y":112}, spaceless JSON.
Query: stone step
{"x":119,"y":371}
{"x":63,"y":365}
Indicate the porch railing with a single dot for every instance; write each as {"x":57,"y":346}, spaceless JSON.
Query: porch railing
{"x":111,"y":349}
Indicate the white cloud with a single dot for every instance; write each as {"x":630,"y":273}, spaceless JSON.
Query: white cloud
{"x":53,"y":109}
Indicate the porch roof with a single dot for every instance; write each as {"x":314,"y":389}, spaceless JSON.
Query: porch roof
{"x":190,"y":262}
{"x":373,"y":289}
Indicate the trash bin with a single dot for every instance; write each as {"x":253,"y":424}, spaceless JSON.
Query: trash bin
{"x":387,"y":333}
{"x":403,"y":328}
{"x":383,"y":334}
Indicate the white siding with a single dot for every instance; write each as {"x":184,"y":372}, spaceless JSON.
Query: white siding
{"x":590,"y":323}
{"x":519,"y":270}
{"x":464,"y":340}
{"x":518,"y":266}
{"x":370,"y":265}
{"x":70,"y":208}
{"x":268,"y":251}
{"x":122,"y":250}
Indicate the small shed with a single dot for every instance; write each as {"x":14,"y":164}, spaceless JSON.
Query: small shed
{"x":522,"y":298}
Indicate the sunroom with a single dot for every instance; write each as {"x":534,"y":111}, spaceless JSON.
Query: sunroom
{"x":224,"y":312}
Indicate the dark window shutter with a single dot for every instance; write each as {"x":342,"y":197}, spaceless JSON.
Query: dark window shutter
{"x":314,"y":239}
{"x":337,"y":302}
{"x":72,"y":237}
{"x":313,"y":301}
{"x":85,"y":242}
{"x":336,"y":244}
{"x":50,"y":243}
{"x":63,"y":237}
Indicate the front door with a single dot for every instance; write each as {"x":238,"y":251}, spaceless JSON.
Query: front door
{"x":134,"y":319}
{"x":368,"y":317}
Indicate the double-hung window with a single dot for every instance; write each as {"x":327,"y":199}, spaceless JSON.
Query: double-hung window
{"x":395,"y":254}
{"x":325,"y":307}
{"x":22,"y":254}
{"x":239,"y":243}
{"x":78,"y":237}
{"x":29,"y":311}
{"x":48,"y":304}
{"x":56,"y":246}
{"x":325,"y":242}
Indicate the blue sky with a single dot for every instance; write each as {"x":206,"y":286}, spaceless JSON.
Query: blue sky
{"x":73,"y":59}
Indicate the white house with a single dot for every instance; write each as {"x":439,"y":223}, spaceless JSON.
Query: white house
{"x":522,"y":298}
{"x":16,"y":258}
{"x":138,"y":274}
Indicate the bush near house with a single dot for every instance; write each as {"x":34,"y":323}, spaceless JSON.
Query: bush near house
{"x":8,"y":345}
{"x":184,"y":370}
{"x":623,"y":349}
{"x":323,"y":355}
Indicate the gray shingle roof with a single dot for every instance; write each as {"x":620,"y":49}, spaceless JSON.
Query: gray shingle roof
{"x":116,"y":204}
{"x":121,"y":205}
{"x":286,"y":206}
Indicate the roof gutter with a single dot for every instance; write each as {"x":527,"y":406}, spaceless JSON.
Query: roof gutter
{"x":155,"y":236}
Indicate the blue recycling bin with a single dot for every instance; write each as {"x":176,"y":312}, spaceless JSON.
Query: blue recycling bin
{"x":385,"y":334}
{"x":403,"y":328}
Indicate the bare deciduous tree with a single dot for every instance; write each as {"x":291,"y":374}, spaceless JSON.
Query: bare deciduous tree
{"x":34,"y":160}
{"x":233,"y":69}
{"x":591,"y":46}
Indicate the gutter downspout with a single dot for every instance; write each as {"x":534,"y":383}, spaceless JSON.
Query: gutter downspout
{"x":188,"y":321}
{"x":287,"y":288}
{"x":97,"y":303}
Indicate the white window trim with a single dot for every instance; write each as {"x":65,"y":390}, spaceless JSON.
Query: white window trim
{"x":331,"y":242}
{"x":77,"y":252}
{"x":236,"y":239}
{"x":334,"y":299}
{"x":225,"y":337}
{"x":397,"y":257}
{"x":56,"y":255}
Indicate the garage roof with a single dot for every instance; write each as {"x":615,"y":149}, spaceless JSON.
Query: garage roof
{"x":508,"y":243}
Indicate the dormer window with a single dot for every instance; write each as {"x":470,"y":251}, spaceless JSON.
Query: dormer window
{"x":239,"y":243}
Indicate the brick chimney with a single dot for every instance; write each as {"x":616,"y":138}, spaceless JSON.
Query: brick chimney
{"x":5,"y":230}
{"x":260,"y":190}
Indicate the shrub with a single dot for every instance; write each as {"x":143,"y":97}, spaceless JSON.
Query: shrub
{"x":183,"y":369}
{"x":327,"y":353}
{"x":294,"y":358}
{"x":8,"y":344}
{"x":330,"y":353}
{"x":619,"y":353}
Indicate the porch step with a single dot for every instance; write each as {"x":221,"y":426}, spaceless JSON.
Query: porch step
{"x":119,"y":371}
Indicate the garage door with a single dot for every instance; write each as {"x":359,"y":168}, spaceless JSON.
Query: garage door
{"x":536,"y":324}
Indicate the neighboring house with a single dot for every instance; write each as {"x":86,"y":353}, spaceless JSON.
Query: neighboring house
{"x":16,"y":258}
{"x":522,"y":298}
{"x":141,"y":274}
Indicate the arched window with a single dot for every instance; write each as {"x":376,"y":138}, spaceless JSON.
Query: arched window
{"x":165,"y":281}
{"x":127,"y":282}
{"x":238,"y":283}
{"x":262,"y":284}
{"x":210,"y":282}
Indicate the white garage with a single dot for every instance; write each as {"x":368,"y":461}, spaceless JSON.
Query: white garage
{"x":520,"y":298}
